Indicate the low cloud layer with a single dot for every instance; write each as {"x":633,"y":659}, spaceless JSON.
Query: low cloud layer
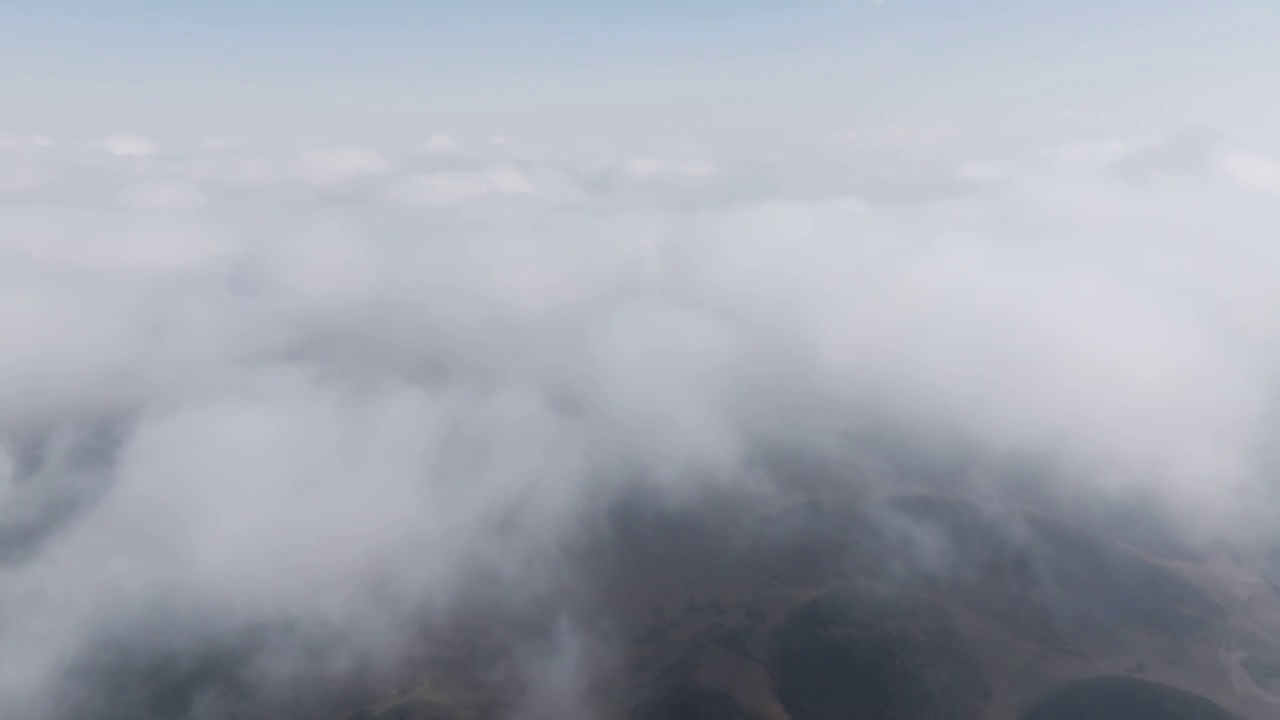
{"x":332,"y":387}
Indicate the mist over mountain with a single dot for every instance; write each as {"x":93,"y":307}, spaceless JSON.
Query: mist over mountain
{"x":486,"y":429}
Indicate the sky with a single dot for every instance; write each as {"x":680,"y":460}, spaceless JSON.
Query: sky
{"x":312,"y":314}
{"x":205,"y":66}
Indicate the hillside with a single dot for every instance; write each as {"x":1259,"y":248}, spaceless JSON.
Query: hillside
{"x":816,"y":610}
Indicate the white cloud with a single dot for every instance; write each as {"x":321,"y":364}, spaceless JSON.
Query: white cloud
{"x":332,"y":410}
{"x":11,"y":141}
{"x":162,"y":195}
{"x":648,"y":167}
{"x":1253,"y":171}
{"x":324,"y":266}
{"x":441,"y":144}
{"x":333,"y":166}
{"x":231,"y":170}
{"x":216,"y":143}
{"x":446,"y":188}
{"x":101,"y":244}
{"x":128,"y":146}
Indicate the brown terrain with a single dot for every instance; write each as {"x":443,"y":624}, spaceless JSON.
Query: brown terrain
{"x":814,"y":604}
{"x":917,"y":607}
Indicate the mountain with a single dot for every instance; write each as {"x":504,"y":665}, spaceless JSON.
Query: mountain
{"x":912,"y":607}
{"x":821,"y":601}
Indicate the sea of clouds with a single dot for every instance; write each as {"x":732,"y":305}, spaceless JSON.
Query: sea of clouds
{"x":323,"y":385}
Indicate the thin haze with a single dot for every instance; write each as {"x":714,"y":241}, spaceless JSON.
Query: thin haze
{"x":316,"y":314}
{"x":388,"y":68}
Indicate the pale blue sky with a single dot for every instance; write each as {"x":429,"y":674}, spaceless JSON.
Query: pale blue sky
{"x":146,"y":62}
